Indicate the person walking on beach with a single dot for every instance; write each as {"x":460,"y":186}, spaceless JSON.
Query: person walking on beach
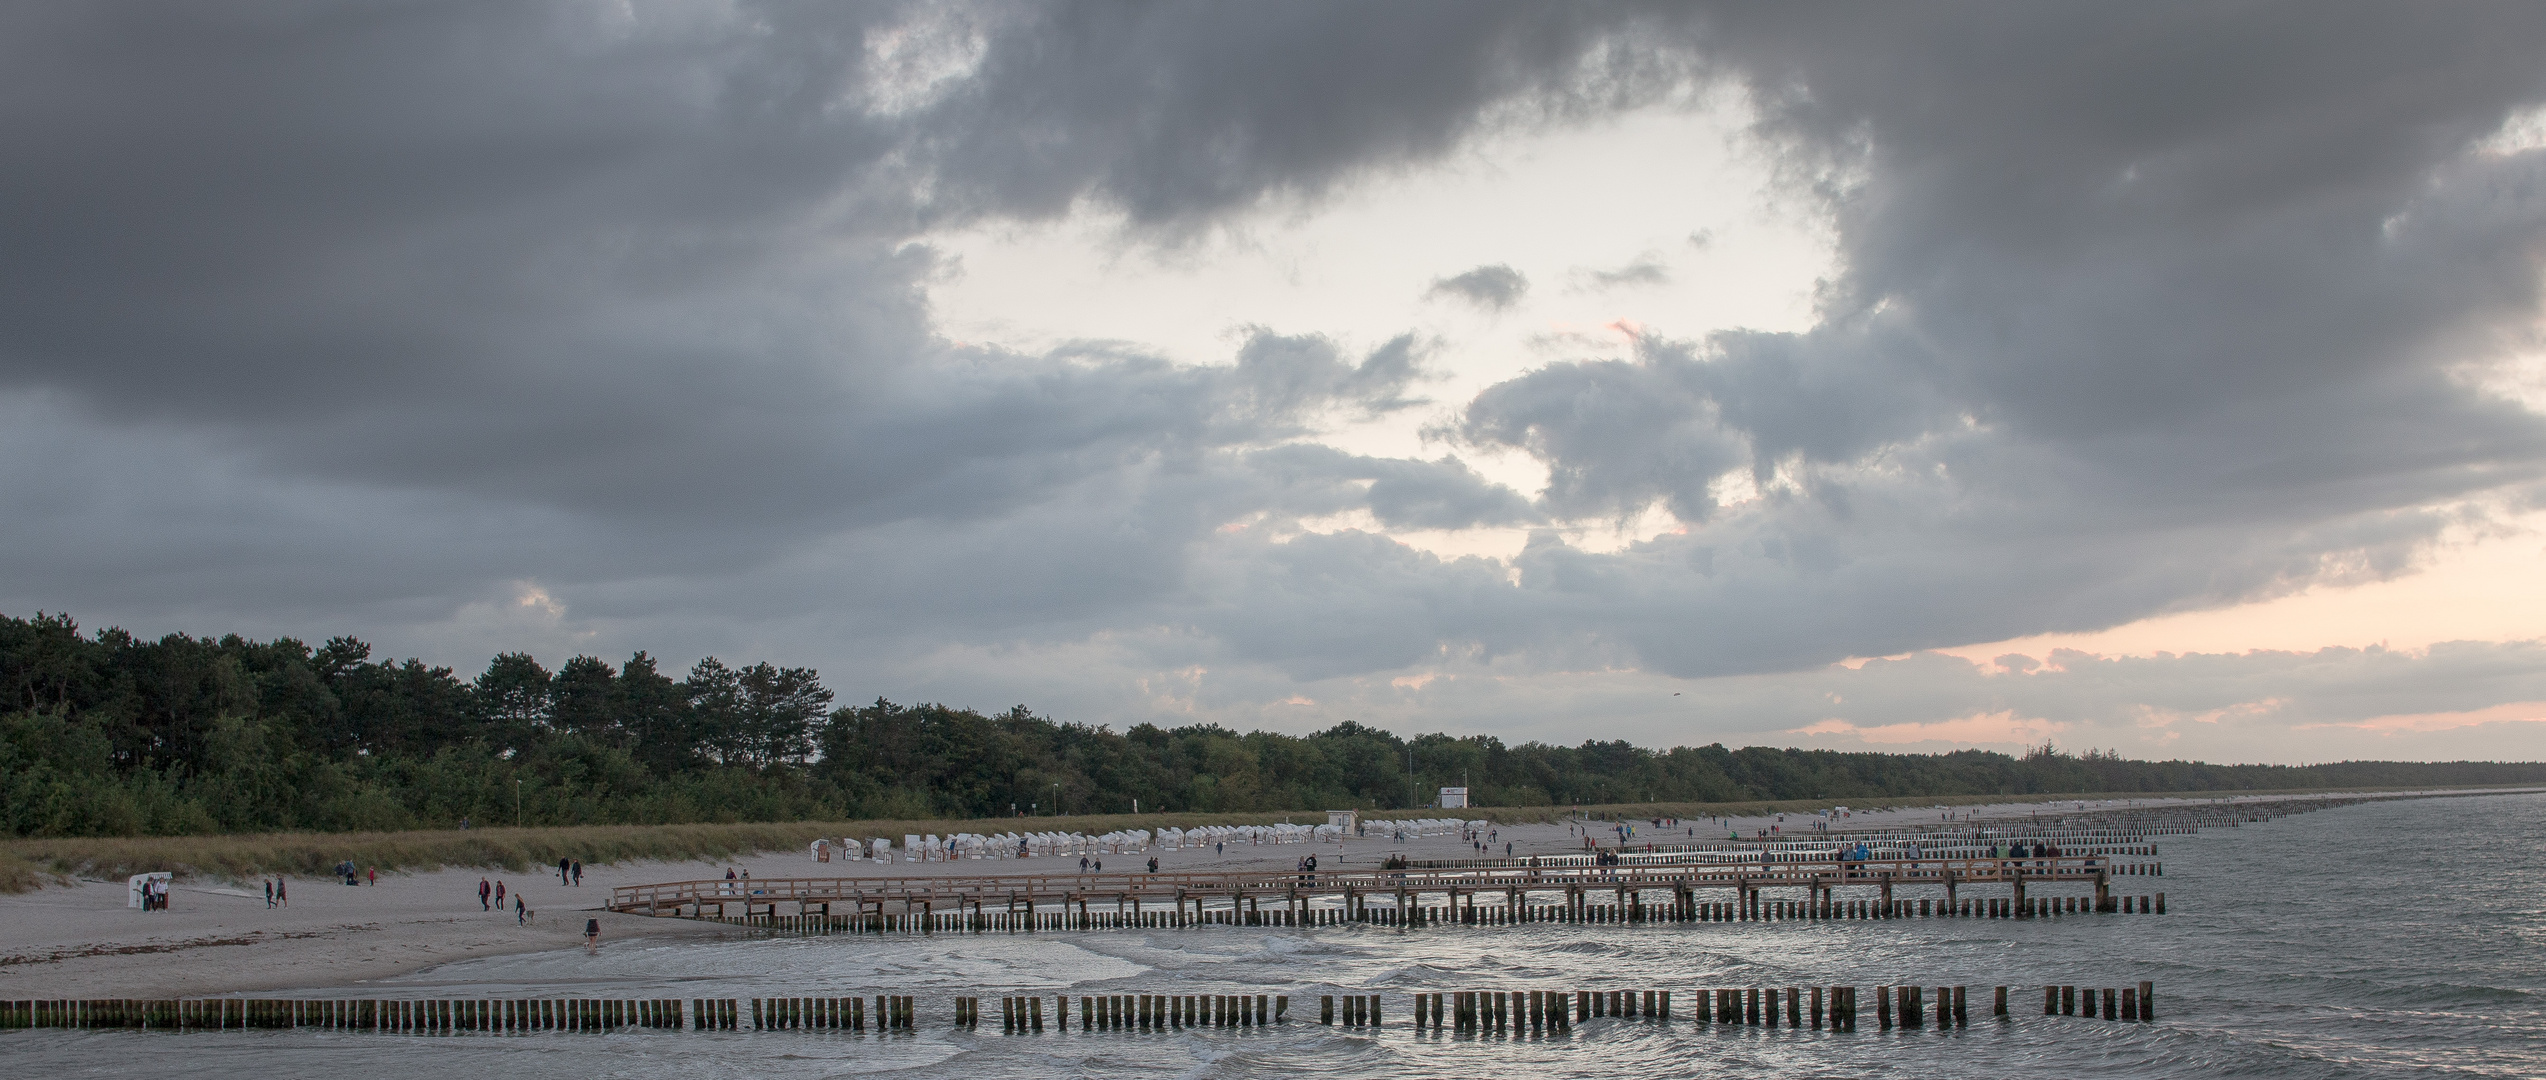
{"x":373,"y":876}
{"x":579,"y":873}
{"x":484,"y":891}
{"x":562,"y":865}
{"x":591,"y":936}
{"x":521,"y":911}
{"x":1082,"y":864}
{"x":281,"y":896}
{"x":499,"y":896}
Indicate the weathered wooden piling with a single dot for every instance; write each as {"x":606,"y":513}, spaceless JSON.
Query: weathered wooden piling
{"x":1501,"y":1012}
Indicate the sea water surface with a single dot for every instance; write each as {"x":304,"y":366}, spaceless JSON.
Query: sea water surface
{"x":2388,"y":939}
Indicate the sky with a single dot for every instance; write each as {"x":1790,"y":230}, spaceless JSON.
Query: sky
{"x":2164,"y":378}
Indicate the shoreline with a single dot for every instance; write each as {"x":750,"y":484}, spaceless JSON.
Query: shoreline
{"x":81,"y":941}
{"x":30,"y":863}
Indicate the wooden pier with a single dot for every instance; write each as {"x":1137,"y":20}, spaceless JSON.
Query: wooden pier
{"x":1765,"y":889}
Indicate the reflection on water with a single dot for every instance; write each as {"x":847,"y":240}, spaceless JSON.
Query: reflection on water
{"x":2366,"y":941}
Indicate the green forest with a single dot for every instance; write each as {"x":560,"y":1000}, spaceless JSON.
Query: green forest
{"x":106,"y":734}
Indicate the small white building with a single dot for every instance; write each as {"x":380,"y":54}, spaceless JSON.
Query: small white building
{"x":1453,"y":797}
{"x":1343,"y":819}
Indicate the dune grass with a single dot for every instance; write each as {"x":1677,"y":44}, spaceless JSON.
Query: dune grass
{"x":18,"y":875}
{"x":32,"y":863}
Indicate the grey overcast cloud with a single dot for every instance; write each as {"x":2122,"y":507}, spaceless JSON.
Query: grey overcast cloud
{"x":2150,"y":376}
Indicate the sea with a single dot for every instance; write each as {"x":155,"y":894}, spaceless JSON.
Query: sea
{"x":2387,"y":939}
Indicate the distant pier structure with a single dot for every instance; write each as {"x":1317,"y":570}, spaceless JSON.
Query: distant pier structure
{"x":1762,"y":888}
{"x":2050,"y":863}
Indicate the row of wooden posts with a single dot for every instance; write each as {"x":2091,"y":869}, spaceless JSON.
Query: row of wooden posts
{"x":1152,"y":1012}
{"x":1475,"y":1012}
{"x":421,"y":1016}
{"x":1928,"y":848}
{"x":1753,"y":907}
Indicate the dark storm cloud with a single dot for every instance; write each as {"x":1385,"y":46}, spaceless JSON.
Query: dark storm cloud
{"x":645,"y":266}
{"x":375,"y":308}
{"x":1175,"y":113}
{"x":384,"y":310}
{"x":1645,"y":269}
{"x":2164,"y":329}
{"x":1493,"y":288}
{"x":1401,"y":493}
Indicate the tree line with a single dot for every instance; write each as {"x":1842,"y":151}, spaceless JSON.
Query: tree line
{"x":110,"y":734}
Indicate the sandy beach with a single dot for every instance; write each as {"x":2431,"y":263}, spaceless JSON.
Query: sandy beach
{"x":81,"y":941}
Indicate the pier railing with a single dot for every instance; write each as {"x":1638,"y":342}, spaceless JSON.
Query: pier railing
{"x":1022,"y":891}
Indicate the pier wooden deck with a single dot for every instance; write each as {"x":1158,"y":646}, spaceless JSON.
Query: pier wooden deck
{"x":1509,"y":894}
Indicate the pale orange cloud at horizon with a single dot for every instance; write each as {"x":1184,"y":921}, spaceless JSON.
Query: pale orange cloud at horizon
{"x":2471,"y":589}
